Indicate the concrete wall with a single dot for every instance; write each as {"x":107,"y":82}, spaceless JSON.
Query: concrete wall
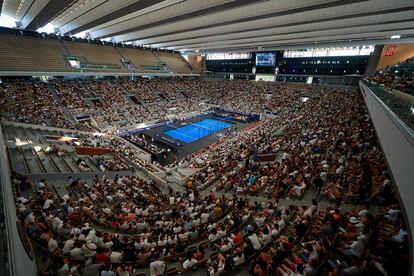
{"x":19,"y":263}
{"x":398,"y":145}
{"x":374,"y":60}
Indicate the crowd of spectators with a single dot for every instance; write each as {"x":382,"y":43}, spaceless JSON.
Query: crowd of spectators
{"x":30,"y":102}
{"x":146,"y":143}
{"x":399,"y":77}
{"x":140,"y":226}
{"x":162,"y":225}
{"x":113,"y":163}
{"x":72,"y":95}
{"x":328,"y":241}
{"x":396,"y":89}
{"x":120,"y":148}
{"x":329,"y":145}
{"x":143,"y":89}
{"x":111,"y":93}
{"x":107,"y":100}
{"x":325,"y":144}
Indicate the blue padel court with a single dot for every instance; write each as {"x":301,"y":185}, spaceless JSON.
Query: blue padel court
{"x":196,"y":131}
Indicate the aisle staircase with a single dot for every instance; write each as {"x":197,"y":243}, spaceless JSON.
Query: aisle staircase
{"x":56,"y":97}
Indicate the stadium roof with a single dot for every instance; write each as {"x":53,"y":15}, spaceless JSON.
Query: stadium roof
{"x":220,"y":25}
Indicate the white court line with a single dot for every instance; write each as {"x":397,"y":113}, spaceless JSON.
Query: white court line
{"x":218,"y":125}
{"x":203,"y":127}
{"x":212,"y":130}
{"x":177,"y":133}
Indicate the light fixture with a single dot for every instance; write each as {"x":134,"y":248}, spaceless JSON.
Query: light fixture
{"x":395,"y":37}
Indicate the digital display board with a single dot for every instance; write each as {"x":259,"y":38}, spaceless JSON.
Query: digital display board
{"x":265,"y":59}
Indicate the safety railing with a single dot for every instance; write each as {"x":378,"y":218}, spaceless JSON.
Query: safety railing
{"x":396,"y":138}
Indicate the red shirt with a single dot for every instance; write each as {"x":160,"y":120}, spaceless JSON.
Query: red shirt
{"x":102,"y":258}
{"x":237,"y":238}
{"x":73,"y":216}
{"x":115,"y":224}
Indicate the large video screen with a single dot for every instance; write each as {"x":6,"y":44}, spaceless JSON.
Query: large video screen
{"x":265,"y":59}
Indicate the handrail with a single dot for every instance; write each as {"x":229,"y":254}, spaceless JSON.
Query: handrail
{"x":406,"y":130}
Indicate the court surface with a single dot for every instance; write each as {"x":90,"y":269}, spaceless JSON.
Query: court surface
{"x":193,"y":132}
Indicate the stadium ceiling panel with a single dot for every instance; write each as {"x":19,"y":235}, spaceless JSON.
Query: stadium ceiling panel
{"x":17,"y":9}
{"x":299,"y":28}
{"x":50,"y":10}
{"x":271,"y":41}
{"x":190,"y":9}
{"x":135,"y":6}
{"x":27,"y":10}
{"x":218,"y":25}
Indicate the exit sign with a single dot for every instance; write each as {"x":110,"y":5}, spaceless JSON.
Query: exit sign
{"x":390,"y":51}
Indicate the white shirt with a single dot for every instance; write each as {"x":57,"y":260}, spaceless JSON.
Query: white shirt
{"x":197,"y":222}
{"x":138,"y":211}
{"x":52,"y":245}
{"x":238,"y":260}
{"x":204,"y":217}
{"x":210,"y":227}
{"x":400,"y":236}
{"x":56,"y":222}
{"x":282,"y":224}
{"x":76,"y":253}
{"x":67,"y":247}
{"x":275,"y":232}
{"x":47,"y":204}
{"x":226,"y":247}
{"x":89,"y":249}
{"x":22,"y":199}
{"x":392,"y":214}
{"x":340,"y":170}
{"x":255,"y":241}
{"x":162,"y":243}
{"x":157,"y":268}
{"x":212,"y":237}
{"x":92,"y":236}
{"x":115,"y":257}
{"x":106,"y":210}
{"x":260,"y":221}
{"x":363,"y":212}
{"x":107,"y":244}
{"x":189,"y":263}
